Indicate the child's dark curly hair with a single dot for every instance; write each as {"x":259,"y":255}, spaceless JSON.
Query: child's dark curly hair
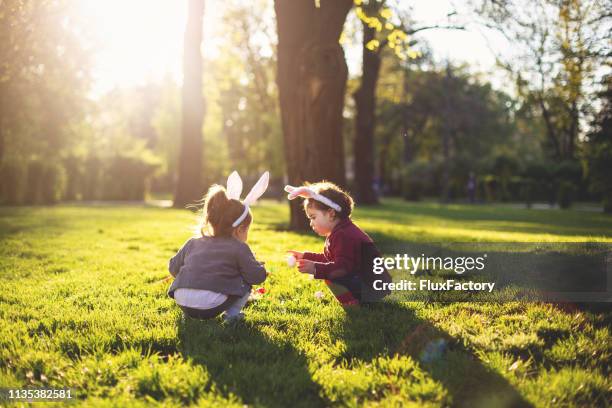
{"x":334,"y":193}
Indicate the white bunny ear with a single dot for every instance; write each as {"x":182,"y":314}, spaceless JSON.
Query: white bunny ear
{"x":234,"y":186}
{"x":290,"y":190}
{"x":258,"y":189}
{"x":294,"y":192}
{"x":307,"y":192}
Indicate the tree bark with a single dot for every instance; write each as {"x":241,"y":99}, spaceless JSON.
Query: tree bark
{"x":311,"y":78}
{"x":365,"y":101}
{"x":550,"y":130}
{"x":189,"y":184}
{"x":446,"y":136}
{"x":573,"y":131}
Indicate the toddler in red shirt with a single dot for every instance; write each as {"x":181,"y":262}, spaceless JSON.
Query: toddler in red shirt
{"x":346,"y":262}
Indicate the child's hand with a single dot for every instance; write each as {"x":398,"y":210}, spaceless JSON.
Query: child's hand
{"x":306,"y":266}
{"x":298,"y":255}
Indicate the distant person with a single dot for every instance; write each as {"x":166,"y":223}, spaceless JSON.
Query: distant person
{"x":471,"y":187}
{"x":214,"y":272}
{"x":346,"y":265}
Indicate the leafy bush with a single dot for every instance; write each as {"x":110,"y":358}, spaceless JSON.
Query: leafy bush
{"x":416,"y":178}
{"x":568,"y":179}
{"x":53,"y":183}
{"x":126,"y":177}
{"x":566,"y":194}
{"x":74,"y":177}
{"x":599,"y":151}
{"x":489,"y":183}
{"x":568,"y":170}
{"x":505,"y":167}
{"x":12,"y":174}
{"x":34,"y":180}
{"x":45,"y":182}
{"x":529,"y":191}
{"x":92,"y":176}
{"x":537,"y":183}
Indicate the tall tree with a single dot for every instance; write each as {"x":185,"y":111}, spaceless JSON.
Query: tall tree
{"x":44,"y":78}
{"x":311,"y":78}
{"x":559,"y":47}
{"x":43,"y":75}
{"x":189,"y":184}
{"x":381,"y":29}
{"x":248,"y":96}
{"x":598,"y":152}
{"x":365,"y":103}
{"x":456,"y":125}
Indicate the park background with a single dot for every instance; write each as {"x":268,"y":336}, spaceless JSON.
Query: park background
{"x":515,"y":93}
{"x":110,"y":110}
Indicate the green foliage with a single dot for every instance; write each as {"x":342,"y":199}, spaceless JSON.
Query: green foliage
{"x":12,"y":173}
{"x":504,"y":167}
{"x":566,"y":194}
{"x":34,"y":182}
{"x":568,"y":177}
{"x":92,"y":178}
{"x":510,"y":179}
{"x":120,"y":177}
{"x":599,"y":150}
{"x":559,"y":49}
{"x":126,"y":176}
{"x":45,"y":182}
{"x":568,"y":170}
{"x":74,"y":175}
{"x":390,"y":31}
{"x":44,"y":77}
{"x":419,"y":108}
{"x":419,"y":179}
{"x":54,"y":183}
{"x":83,"y":305}
{"x":43,"y":85}
{"x":537,"y":182}
{"x":247,"y":122}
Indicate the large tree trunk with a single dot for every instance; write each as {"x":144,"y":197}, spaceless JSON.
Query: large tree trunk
{"x":311,"y":79}
{"x":365,"y":101}
{"x":446,"y":136}
{"x":189,"y":184}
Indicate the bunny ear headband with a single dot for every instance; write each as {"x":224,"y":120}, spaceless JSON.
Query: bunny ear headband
{"x":234,"y":189}
{"x":307,"y":192}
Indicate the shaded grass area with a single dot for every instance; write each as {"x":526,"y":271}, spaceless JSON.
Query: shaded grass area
{"x":83,"y":305}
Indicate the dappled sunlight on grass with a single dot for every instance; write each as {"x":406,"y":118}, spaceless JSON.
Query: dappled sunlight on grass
{"x":83,"y":304}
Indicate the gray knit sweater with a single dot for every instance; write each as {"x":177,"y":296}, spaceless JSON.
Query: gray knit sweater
{"x":223,"y":265}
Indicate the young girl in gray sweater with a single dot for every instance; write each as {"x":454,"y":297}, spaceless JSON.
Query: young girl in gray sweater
{"x":214,"y":273}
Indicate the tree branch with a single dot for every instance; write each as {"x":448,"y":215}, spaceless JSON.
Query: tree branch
{"x":434,"y":27}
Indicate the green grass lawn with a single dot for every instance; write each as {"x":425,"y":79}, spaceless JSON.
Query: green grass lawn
{"x":83,"y":305}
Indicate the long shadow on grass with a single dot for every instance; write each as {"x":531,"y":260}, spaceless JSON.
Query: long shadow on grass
{"x":388,"y":329}
{"x":244,"y":362}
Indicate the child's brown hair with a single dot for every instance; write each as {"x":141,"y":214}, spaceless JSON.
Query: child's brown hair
{"x":220,"y":212}
{"x":334,"y":193}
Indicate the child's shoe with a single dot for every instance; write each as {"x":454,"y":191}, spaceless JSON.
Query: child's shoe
{"x":234,"y":319}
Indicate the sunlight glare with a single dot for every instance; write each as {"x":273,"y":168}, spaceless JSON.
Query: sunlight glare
{"x":138,"y":41}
